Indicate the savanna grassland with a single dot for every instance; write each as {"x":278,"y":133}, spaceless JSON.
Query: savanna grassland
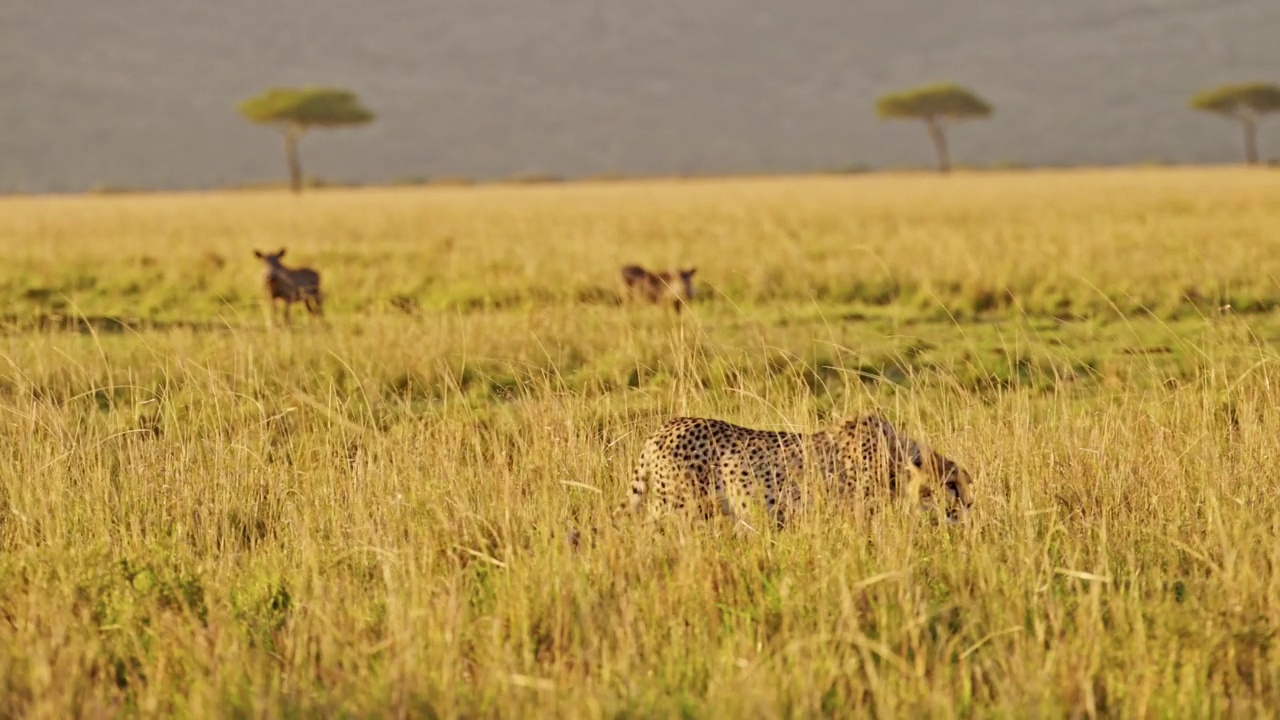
{"x":204,"y":516}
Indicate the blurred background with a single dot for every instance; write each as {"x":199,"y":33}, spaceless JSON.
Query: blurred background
{"x":142,"y":94}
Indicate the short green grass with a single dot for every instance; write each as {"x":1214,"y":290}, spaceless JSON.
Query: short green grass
{"x":204,"y":516}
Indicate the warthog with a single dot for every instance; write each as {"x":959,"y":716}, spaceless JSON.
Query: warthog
{"x":676,"y":285}
{"x":290,"y":285}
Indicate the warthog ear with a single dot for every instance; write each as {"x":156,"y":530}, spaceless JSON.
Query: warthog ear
{"x":689,"y":273}
{"x":281,"y":253}
{"x":258,"y":254}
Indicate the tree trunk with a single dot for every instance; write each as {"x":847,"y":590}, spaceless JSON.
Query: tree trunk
{"x":939,"y":139}
{"x":291,"y":136}
{"x":1250,"y":140}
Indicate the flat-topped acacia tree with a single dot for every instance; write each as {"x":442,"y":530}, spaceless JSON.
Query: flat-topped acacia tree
{"x":294,"y":111}
{"x":937,"y":106}
{"x":1246,"y":103}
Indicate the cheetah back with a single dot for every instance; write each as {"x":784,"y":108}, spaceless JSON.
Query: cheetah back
{"x":709,"y":465}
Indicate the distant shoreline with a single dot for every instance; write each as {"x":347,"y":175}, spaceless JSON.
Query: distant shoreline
{"x":530,"y":180}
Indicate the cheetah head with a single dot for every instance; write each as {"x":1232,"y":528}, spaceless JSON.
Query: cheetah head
{"x":937,"y":471}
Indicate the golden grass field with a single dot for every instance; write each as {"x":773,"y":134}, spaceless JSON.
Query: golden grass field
{"x":203,"y":516}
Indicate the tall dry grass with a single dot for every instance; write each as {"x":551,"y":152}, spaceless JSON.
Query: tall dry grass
{"x":205,"y":517}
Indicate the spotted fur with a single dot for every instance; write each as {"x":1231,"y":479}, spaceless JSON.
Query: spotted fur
{"x":711,"y":465}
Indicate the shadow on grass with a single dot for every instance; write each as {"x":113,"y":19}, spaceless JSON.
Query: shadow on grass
{"x":100,"y":324}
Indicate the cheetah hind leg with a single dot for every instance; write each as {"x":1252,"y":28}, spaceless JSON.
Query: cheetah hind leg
{"x":781,"y":498}
{"x":640,"y":477}
{"x":737,"y":495}
{"x":638,"y":502}
{"x":731,"y":504}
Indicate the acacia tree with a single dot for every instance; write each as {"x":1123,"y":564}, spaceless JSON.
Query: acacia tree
{"x":937,"y":106}
{"x":1245,"y":103}
{"x":294,"y":111}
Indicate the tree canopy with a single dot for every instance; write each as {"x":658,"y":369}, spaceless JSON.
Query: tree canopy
{"x":936,"y":105}
{"x":941,"y":101}
{"x":306,"y":107}
{"x":1244,"y":103}
{"x":1239,"y":99}
{"x":296,"y":110}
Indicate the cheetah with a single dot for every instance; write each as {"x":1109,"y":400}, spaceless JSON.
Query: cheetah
{"x":707,"y":464}
{"x":654,"y":287}
{"x":290,"y":285}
